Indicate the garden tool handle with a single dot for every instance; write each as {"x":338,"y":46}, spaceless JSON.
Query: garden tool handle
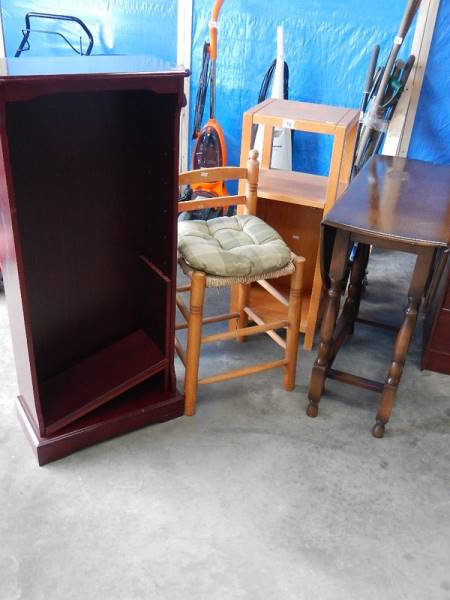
{"x":408,"y":16}
{"x":371,"y":70}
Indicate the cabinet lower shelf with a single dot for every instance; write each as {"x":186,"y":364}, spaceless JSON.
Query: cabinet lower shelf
{"x":293,"y":187}
{"x":98,"y":379}
{"x":270,"y":309}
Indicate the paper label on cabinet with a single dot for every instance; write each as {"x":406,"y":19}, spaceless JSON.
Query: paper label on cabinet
{"x":288,"y":124}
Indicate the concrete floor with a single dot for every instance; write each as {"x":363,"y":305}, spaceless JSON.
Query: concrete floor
{"x":248,"y":500}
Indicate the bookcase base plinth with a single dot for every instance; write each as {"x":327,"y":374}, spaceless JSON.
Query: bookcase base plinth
{"x":109,"y":421}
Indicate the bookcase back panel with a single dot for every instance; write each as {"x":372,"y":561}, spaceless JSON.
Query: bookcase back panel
{"x":91,"y":175}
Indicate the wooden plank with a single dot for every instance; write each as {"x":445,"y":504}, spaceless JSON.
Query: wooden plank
{"x":266,"y":153}
{"x":271,"y":333}
{"x":276,"y":364}
{"x":244,"y":332}
{"x":273,"y":292}
{"x":155,"y":269}
{"x":270,"y":309}
{"x":220,"y":201}
{"x":99,"y":378}
{"x":212,"y":175}
{"x":292,"y":187}
{"x":209,"y":320}
{"x":246,"y":141}
{"x":180,"y":351}
{"x":182,"y":308}
{"x":380,"y":324}
{"x":304,"y":113}
{"x":401,"y":126}
{"x":361,"y":382}
{"x":337,"y":157}
{"x":184,"y":48}
{"x":347,"y":160}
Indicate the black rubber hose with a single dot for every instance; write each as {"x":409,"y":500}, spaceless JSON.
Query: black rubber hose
{"x":268,"y":80}
{"x":202,"y":91}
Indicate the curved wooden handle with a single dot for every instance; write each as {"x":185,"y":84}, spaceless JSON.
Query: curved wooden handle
{"x":213,"y":29}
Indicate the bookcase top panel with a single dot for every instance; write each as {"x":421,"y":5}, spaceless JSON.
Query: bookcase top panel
{"x":85,"y":66}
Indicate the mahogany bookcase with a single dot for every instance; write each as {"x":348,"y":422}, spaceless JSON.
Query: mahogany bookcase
{"x":88,"y":195}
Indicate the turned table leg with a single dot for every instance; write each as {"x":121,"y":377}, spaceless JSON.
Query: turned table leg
{"x":346,"y":321}
{"x":337,"y":272}
{"x":402,"y":341}
{"x":355,"y":287}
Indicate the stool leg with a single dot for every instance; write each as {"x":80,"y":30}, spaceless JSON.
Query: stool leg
{"x":333,"y":300}
{"x":402,"y":342}
{"x":193,"y":342}
{"x":243,"y":295}
{"x":294,"y":315}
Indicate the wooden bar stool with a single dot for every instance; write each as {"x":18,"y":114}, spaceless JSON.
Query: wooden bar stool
{"x":234,"y":252}
{"x":393,"y":203}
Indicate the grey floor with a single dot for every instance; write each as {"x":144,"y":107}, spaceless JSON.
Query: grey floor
{"x":248,"y":500}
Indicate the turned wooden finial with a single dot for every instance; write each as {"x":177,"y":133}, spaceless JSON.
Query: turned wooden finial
{"x":253,"y":154}
{"x":252,"y":181}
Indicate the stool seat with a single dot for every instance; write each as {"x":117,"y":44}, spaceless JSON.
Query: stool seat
{"x":239,"y":246}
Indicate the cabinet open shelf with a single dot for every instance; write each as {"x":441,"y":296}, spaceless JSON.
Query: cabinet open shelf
{"x":293,"y":187}
{"x":143,"y":397}
{"x":94,"y":381}
{"x":267,"y":307}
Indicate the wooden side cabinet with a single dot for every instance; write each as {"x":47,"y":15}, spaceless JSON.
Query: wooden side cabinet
{"x":295,"y":203}
{"x":436,"y":329}
{"x":88,"y":194}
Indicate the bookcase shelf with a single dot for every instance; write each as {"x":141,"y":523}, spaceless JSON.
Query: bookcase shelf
{"x":69,"y":395}
{"x":88,"y":207}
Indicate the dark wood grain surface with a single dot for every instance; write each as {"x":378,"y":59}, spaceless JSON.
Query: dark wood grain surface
{"x":397,"y":198}
{"x":436,"y":330}
{"x":101,"y":377}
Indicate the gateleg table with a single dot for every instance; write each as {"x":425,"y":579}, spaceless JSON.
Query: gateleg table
{"x":394,"y":203}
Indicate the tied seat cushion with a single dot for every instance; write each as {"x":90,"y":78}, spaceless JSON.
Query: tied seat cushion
{"x":240,"y":246}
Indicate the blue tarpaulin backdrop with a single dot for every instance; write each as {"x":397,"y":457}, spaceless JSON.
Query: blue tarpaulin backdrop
{"x":118,"y":26}
{"x":327,"y":45}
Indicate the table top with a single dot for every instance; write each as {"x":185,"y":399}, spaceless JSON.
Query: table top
{"x":397,"y":199}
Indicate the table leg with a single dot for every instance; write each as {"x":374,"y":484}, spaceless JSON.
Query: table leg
{"x":402,"y":341}
{"x":337,"y":273}
{"x":350,"y":310}
{"x":356,"y":283}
